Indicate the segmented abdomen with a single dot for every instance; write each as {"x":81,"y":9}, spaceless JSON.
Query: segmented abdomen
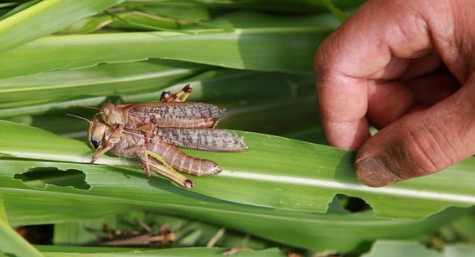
{"x":183,"y":162}
{"x":203,"y":139}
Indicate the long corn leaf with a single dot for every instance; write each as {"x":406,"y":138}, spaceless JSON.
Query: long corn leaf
{"x":144,"y":81}
{"x":102,"y":190}
{"x":188,"y":233}
{"x":278,"y":6}
{"x":315,"y":175}
{"x":13,"y":244}
{"x":263,"y":49}
{"x":386,"y":248}
{"x":183,"y":252}
{"x":103,"y":80}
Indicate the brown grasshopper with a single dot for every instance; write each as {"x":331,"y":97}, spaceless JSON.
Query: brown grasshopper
{"x":172,"y":111}
{"x":159,"y":153}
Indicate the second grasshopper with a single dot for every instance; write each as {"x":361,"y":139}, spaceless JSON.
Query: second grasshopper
{"x":159,"y":154}
{"x":172,"y":111}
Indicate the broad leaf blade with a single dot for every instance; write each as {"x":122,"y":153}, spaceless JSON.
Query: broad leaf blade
{"x":410,"y":248}
{"x":263,"y":49}
{"x":177,"y":252}
{"x":114,"y":190}
{"x":318,"y":173}
{"x":103,"y":80}
{"x":36,"y":21}
{"x":13,"y":244}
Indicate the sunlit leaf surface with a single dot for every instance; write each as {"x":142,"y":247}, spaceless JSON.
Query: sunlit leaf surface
{"x":18,"y":29}
{"x":402,"y":248}
{"x":276,"y":172}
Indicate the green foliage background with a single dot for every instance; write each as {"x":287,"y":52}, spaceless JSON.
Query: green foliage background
{"x":288,"y":192}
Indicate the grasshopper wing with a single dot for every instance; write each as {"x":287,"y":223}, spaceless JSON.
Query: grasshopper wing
{"x":202,"y":139}
{"x":188,"y":110}
{"x":176,"y":115}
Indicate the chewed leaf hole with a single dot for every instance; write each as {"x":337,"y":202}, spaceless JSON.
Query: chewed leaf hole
{"x":352,"y":204}
{"x":39,"y":177}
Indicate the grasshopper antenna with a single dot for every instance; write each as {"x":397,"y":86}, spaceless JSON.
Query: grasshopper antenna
{"x":79,"y":117}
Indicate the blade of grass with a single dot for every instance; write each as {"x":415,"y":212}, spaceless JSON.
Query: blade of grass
{"x":103,"y":80}
{"x":251,"y":19}
{"x":317,"y":174}
{"x":178,"y":252}
{"x":86,"y":249}
{"x":35,"y":21}
{"x":188,"y":233}
{"x":268,"y":102}
{"x":3,"y":215}
{"x":264,"y":49}
{"x":18,"y":8}
{"x":115,"y":190}
{"x":281,"y":6}
{"x":13,"y":244}
{"x":386,"y":248}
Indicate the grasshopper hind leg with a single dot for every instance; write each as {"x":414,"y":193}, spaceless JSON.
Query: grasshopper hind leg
{"x":154,"y":165}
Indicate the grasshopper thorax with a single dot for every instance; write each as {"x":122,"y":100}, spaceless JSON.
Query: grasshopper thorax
{"x":113,"y":114}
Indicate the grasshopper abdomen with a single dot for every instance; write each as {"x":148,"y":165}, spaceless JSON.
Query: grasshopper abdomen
{"x":183,"y":162}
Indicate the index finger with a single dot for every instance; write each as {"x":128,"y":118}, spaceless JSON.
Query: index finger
{"x":374,"y":43}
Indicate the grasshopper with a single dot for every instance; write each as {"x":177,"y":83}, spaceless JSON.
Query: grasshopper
{"x":159,"y":153}
{"x":172,"y":111}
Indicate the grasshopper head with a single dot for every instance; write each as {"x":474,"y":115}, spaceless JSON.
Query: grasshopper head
{"x":112,"y":114}
{"x":96,"y":133}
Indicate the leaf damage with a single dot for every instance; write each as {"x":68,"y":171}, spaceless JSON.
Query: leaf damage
{"x":41,"y":177}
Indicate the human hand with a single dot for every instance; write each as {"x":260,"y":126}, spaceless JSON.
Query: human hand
{"x":408,"y":68}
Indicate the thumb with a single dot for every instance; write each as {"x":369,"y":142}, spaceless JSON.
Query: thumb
{"x":421,"y":143}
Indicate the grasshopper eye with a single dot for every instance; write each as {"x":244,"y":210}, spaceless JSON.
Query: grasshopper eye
{"x":95,"y":142}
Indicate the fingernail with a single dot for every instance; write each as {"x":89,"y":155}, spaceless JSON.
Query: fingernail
{"x":374,"y":172}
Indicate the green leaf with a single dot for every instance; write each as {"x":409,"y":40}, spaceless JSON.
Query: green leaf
{"x":88,"y":25}
{"x":144,"y":21}
{"x":13,"y":244}
{"x":127,"y":20}
{"x":118,"y":190}
{"x":3,"y":215}
{"x":273,"y":103}
{"x":186,"y":15}
{"x":178,"y":252}
{"x":87,"y":249}
{"x":401,"y":248}
{"x":250,"y":19}
{"x":316,"y":175}
{"x":335,"y":11}
{"x":280,"y":6}
{"x":103,"y":80}
{"x":18,"y":8}
{"x":459,"y":229}
{"x":263,"y":49}
{"x":188,"y":233}
{"x":85,"y":232}
{"x":35,"y":21}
